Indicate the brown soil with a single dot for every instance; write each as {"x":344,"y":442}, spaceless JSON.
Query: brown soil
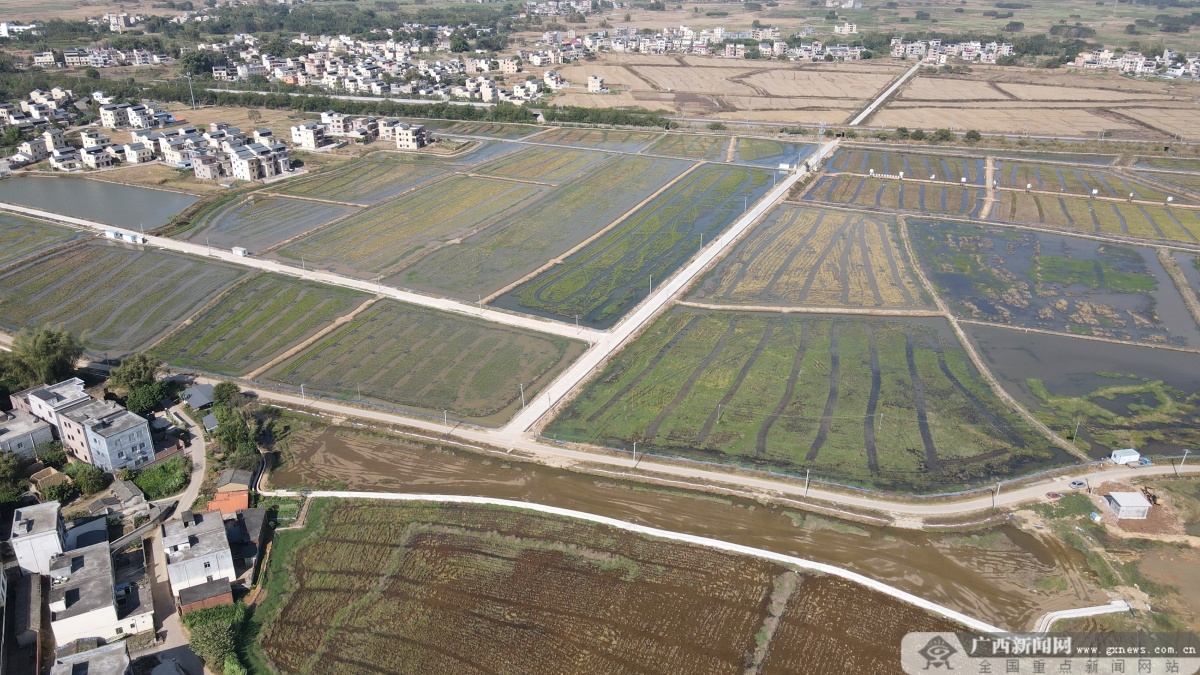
{"x":1162,"y":519}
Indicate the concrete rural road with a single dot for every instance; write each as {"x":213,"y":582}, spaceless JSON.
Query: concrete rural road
{"x":443,"y":304}
{"x":611,"y":341}
{"x":501,"y":440}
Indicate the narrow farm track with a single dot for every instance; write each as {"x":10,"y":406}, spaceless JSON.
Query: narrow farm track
{"x":760,"y":447}
{"x":931,"y":456}
{"x":794,"y":309}
{"x":337,"y":323}
{"x":872,"y":403}
{"x":439,"y":303}
{"x":835,"y":377}
{"x":1171,"y":265}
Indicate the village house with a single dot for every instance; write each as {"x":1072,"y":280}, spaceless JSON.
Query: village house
{"x":84,"y":598}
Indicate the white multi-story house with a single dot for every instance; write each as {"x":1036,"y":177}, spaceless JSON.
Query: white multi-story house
{"x":114,"y":115}
{"x":94,"y":138}
{"x":37,"y":536}
{"x":21,"y":432}
{"x":197,"y":550}
{"x":96,"y":158}
{"x":138,"y":153}
{"x":116,"y":438}
{"x":595,"y":84}
{"x":845,"y":29}
{"x":47,"y":400}
{"x":83,"y":598}
{"x":410,"y":136}
{"x":308,"y":136}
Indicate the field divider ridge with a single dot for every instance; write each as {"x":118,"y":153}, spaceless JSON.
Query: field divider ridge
{"x":333,"y":325}
{"x":1181,"y":283}
{"x":306,"y":198}
{"x":976,"y":359}
{"x":797,"y":309}
{"x":599,"y":233}
{"x":203,"y":308}
{"x":1076,"y":336}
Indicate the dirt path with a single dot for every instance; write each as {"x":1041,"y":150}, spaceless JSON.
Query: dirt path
{"x":729,"y":151}
{"x":989,"y":199}
{"x":339,"y":322}
{"x":977,"y":359}
{"x":1170,"y":264}
{"x":1074,"y":336}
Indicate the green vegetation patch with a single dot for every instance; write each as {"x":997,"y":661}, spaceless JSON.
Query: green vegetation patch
{"x":115,"y":297}
{"x":256,"y":223}
{"x":425,"y":360}
{"x":368,"y":180}
{"x":520,"y":243}
{"x":712,"y":148}
{"x":898,"y":195}
{"x":1043,"y":281}
{"x":260,"y":320}
{"x":542,"y":163}
{"x":166,"y":479}
{"x":606,"y":279}
{"x":385,"y":238}
{"x":884,"y":402}
{"x":21,"y":237}
{"x":1132,"y":413}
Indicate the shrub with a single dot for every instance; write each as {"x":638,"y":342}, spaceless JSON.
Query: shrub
{"x":902,"y":132}
{"x":917,"y":135}
{"x":972,"y":136}
{"x":51,"y":454}
{"x":213,"y":634}
{"x":942,"y":135}
{"x":165,"y":479}
{"x":716,"y":126}
{"x":146,"y":398}
{"x":63,"y":492}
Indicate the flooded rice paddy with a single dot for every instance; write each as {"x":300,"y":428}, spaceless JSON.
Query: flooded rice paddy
{"x":108,"y":203}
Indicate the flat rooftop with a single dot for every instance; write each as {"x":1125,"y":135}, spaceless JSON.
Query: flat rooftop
{"x":104,"y":418}
{"x":107,"y":660}
{"x":81,"y":581}
{"x":37,"y":519}
{"x":196,"y":535}
{"x":17,"y":423}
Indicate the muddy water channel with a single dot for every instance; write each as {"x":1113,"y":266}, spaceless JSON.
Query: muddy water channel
{"x":1004,"y":576}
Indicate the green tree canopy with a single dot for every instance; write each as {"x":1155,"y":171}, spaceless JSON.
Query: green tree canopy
{"x":146,"y":398}
{"x":136,"y":371}
{"x":41,"y":356}
{"x":88,"y":479}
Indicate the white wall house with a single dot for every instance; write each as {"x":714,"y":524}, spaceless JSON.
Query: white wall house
{"x":37,"y":536}
{"x":1128,"y":505}
{"x":20,"y":432}
{"x":197,"y":550}
{"x":410,"y":136}
{"x":83,"y":602}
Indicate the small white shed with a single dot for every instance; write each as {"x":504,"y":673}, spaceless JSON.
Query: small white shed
{"x":238,"y":250}
{"x":1129,"y":505}
{"x":1125,"y":456}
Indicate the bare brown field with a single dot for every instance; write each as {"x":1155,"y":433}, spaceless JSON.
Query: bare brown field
{"x":159,"y":176}
{"x":278,"y":121}
{"x":727,"y":88}
{"x":1066,"y":102}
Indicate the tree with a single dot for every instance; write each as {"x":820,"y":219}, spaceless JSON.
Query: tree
{"x":917,"y":135}
{"x":92,"y":74}
{"x":88,"y":478}
{"x":224,"y":393}
{"x":201,"y":62}
{"x":42,"y":356}
{"x":253,"y":115}
{"x":51,"y":454}
{"x":942,"y":135}
{"x":135,"y":372}
{"x":146,"y":398}
{"x":972,"y":136}
{"x":213,"y":633}
{"x":901,"y":133}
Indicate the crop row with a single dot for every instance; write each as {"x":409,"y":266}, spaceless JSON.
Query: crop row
{"x":520,"y":243}
{"x":1089,"y":215}
{"x":20,"y":237}
{"x":256,"y":222}
{"x":893,"y":402}
{"x":810,"y":256}
{"x":711,"y":148}
{"x":366,"y":181}
{"x":1074,"y":180}
{"x":493,"y":129}
{"x":1169,"y":163}
{"x":384,"y":238}
{"x":606,"y":279}
{"x":899,"y":195}
{"x":542,"y":163}
{"x":951,"y":168}
{"x":426,"y":360}
{"x":483,"y":590}
{"x":115,"y":297}
{"x":264,"y":318}
{"x":1184,"y":181}
{"x":612,"y":139}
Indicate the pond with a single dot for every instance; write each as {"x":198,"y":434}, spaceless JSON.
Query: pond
{"x":108,"y":203}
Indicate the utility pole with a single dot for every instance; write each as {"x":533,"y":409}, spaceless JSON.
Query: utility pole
{"x":807,"y":473}
{"x":651,"y":283}
{"x":635,"y":453}
{"x":302,"y":394}
{"x":522,"y":385}
{"x":446,"y":419}
{"x":1074,"y":435}
{"x":190,"y":92}
{"x":996,"y":496}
